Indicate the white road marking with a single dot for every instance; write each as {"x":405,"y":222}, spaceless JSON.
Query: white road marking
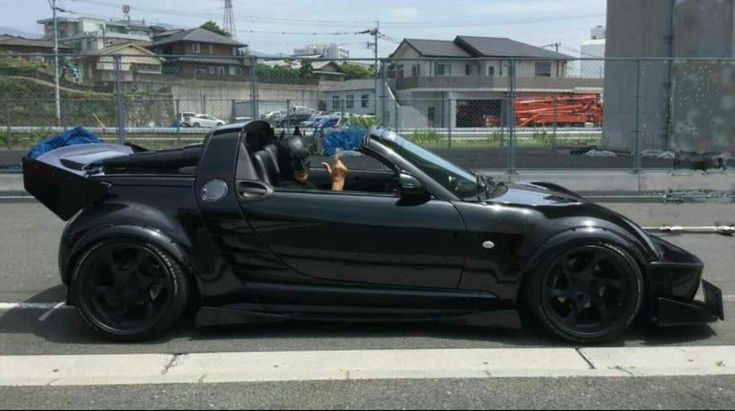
{"x":48,"y":313}
{"x":31,"y":306}
{"x":368,"y":364}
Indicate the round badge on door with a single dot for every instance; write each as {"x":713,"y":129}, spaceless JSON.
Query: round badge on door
{"x":214,"y":190}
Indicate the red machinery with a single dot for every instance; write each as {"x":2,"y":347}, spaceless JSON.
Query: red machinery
{"x":572,"y":110}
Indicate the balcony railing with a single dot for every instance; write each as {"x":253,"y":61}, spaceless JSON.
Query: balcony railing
{"x":497,"y":83}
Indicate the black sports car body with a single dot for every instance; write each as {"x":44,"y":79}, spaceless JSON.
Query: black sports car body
{"x":417,"y":239}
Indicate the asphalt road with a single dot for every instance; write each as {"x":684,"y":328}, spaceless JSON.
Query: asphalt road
{"x":29,"y":236}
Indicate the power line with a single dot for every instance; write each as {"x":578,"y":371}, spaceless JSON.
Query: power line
{"x":307,"y":21}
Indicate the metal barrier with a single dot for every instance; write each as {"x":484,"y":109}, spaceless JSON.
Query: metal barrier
{"x":490,"y":114}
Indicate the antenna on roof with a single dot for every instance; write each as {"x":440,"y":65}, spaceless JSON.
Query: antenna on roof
{"x":229,"y":19}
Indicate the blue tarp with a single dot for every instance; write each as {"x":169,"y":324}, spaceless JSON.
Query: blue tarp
{"x":345,"y":139}
{"x":72,"y":137}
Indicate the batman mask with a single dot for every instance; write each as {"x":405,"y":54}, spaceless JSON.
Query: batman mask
{"x":293,"y":156}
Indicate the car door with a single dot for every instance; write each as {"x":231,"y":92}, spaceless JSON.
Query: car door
{"x":358,"y":237}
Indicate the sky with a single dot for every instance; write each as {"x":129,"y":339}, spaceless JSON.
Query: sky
{"x":279,"y":26}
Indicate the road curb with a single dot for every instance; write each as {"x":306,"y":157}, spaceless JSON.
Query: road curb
{"x":229,"y":367}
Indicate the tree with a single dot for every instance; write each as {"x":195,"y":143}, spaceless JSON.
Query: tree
{"x":355,"y":71}
{"x":214,"y":28}
{"x":306,"y":70}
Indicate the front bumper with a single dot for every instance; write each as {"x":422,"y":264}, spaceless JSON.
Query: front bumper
{"x":674,"y":281}
{"x":673,"y":313}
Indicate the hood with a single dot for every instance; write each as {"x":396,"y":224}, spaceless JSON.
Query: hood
{"x":538,"y":194}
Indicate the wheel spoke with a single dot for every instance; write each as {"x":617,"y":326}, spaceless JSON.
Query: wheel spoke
{"x":100,"y":290}
{"x":150,"y":308}
{"x":591,"y":265}
{"x":615,"y":283}
{"x":118,"y":313}
{"x":558,"y":293}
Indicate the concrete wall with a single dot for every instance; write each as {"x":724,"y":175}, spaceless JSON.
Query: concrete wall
{"x":657,"y":28}
{"x":216,"y":97}
{"x":635,"y":29}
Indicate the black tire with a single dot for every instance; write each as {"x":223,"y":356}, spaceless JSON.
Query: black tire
{"x":122,"y":300}
{"x":587,"y":293}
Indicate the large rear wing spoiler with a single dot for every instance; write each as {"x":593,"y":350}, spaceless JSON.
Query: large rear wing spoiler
{"x":60,"y":179}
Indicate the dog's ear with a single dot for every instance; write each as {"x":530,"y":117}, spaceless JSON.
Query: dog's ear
{"x":297,"y":132}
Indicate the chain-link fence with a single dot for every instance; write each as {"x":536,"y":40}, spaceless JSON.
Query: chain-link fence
{"x":485,"y":114}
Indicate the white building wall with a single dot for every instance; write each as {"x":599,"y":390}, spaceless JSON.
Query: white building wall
{"x":593,"y":68}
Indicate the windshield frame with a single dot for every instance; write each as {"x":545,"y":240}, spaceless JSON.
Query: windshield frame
{"x":432,"y":166}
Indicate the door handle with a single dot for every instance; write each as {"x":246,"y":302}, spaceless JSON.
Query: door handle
{"x":251,"y":190}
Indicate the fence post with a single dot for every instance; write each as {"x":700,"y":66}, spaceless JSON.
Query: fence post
{"x":8,"y":134}
{"x":384,"y":118}
{"x":288,"y":115}
{"x":178,"y":123}
{"x":449,"y":124}
{"x":396,"y":116}
{"x":120,"y":101}
{"x":204,"y":104}
{"x":637,"y":131}
{"x":511,"y":115}
{"x":553,"y":133}
{"x":254,"y":87}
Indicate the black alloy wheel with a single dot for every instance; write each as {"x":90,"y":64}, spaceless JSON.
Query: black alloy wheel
{"x":588,"y":294}
{"x":129,"y":291}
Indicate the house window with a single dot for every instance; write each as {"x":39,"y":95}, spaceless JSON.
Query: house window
{"x":491,"y":71}
{"x":234,"y":51}
{"x":467,"y":70}
{"x":543,"y":69}
{"x":443,"y":69}
{"x":196,"y":48}
{"x":335,"y":103}
{"x":365,"y":100}
{"x":350,"y":101}
{"x":211,"y":49}
{"x":415,"y":70}
{"x":235,"y":70}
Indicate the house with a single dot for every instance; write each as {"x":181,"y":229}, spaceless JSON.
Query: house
{"x":200,"y":54}
{"x":324,"y":70}
{"x":136,"y":63}
{"x":91,"y":33}
{"x":465,"y":81}
{"x":28,"y":47}
{"x":352,"y":96}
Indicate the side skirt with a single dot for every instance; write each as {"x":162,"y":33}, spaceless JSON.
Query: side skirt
{"x":230,"y":316}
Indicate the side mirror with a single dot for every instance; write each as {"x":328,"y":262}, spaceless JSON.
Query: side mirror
{"x":409,"y":187}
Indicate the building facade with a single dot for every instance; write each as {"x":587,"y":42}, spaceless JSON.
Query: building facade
{"x":351,"y":96}
{"x":594,"y":47}
{"x":466,"y":82}
{"x":136,"y":63}
{"x":200,"y":54}
{"x":84,"y":34}
{"x":327,"y":51}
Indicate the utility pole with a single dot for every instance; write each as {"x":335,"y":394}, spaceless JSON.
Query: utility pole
{"x":52,"y":3}
{"x":375,"y":32}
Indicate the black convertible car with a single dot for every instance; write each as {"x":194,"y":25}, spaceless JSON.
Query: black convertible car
{"x":411,"y":238}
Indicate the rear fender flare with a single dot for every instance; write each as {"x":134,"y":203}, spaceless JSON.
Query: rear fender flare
{"x":127,"y":232}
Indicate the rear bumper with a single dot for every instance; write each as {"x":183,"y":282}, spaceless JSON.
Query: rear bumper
{"x":673,"y":313}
